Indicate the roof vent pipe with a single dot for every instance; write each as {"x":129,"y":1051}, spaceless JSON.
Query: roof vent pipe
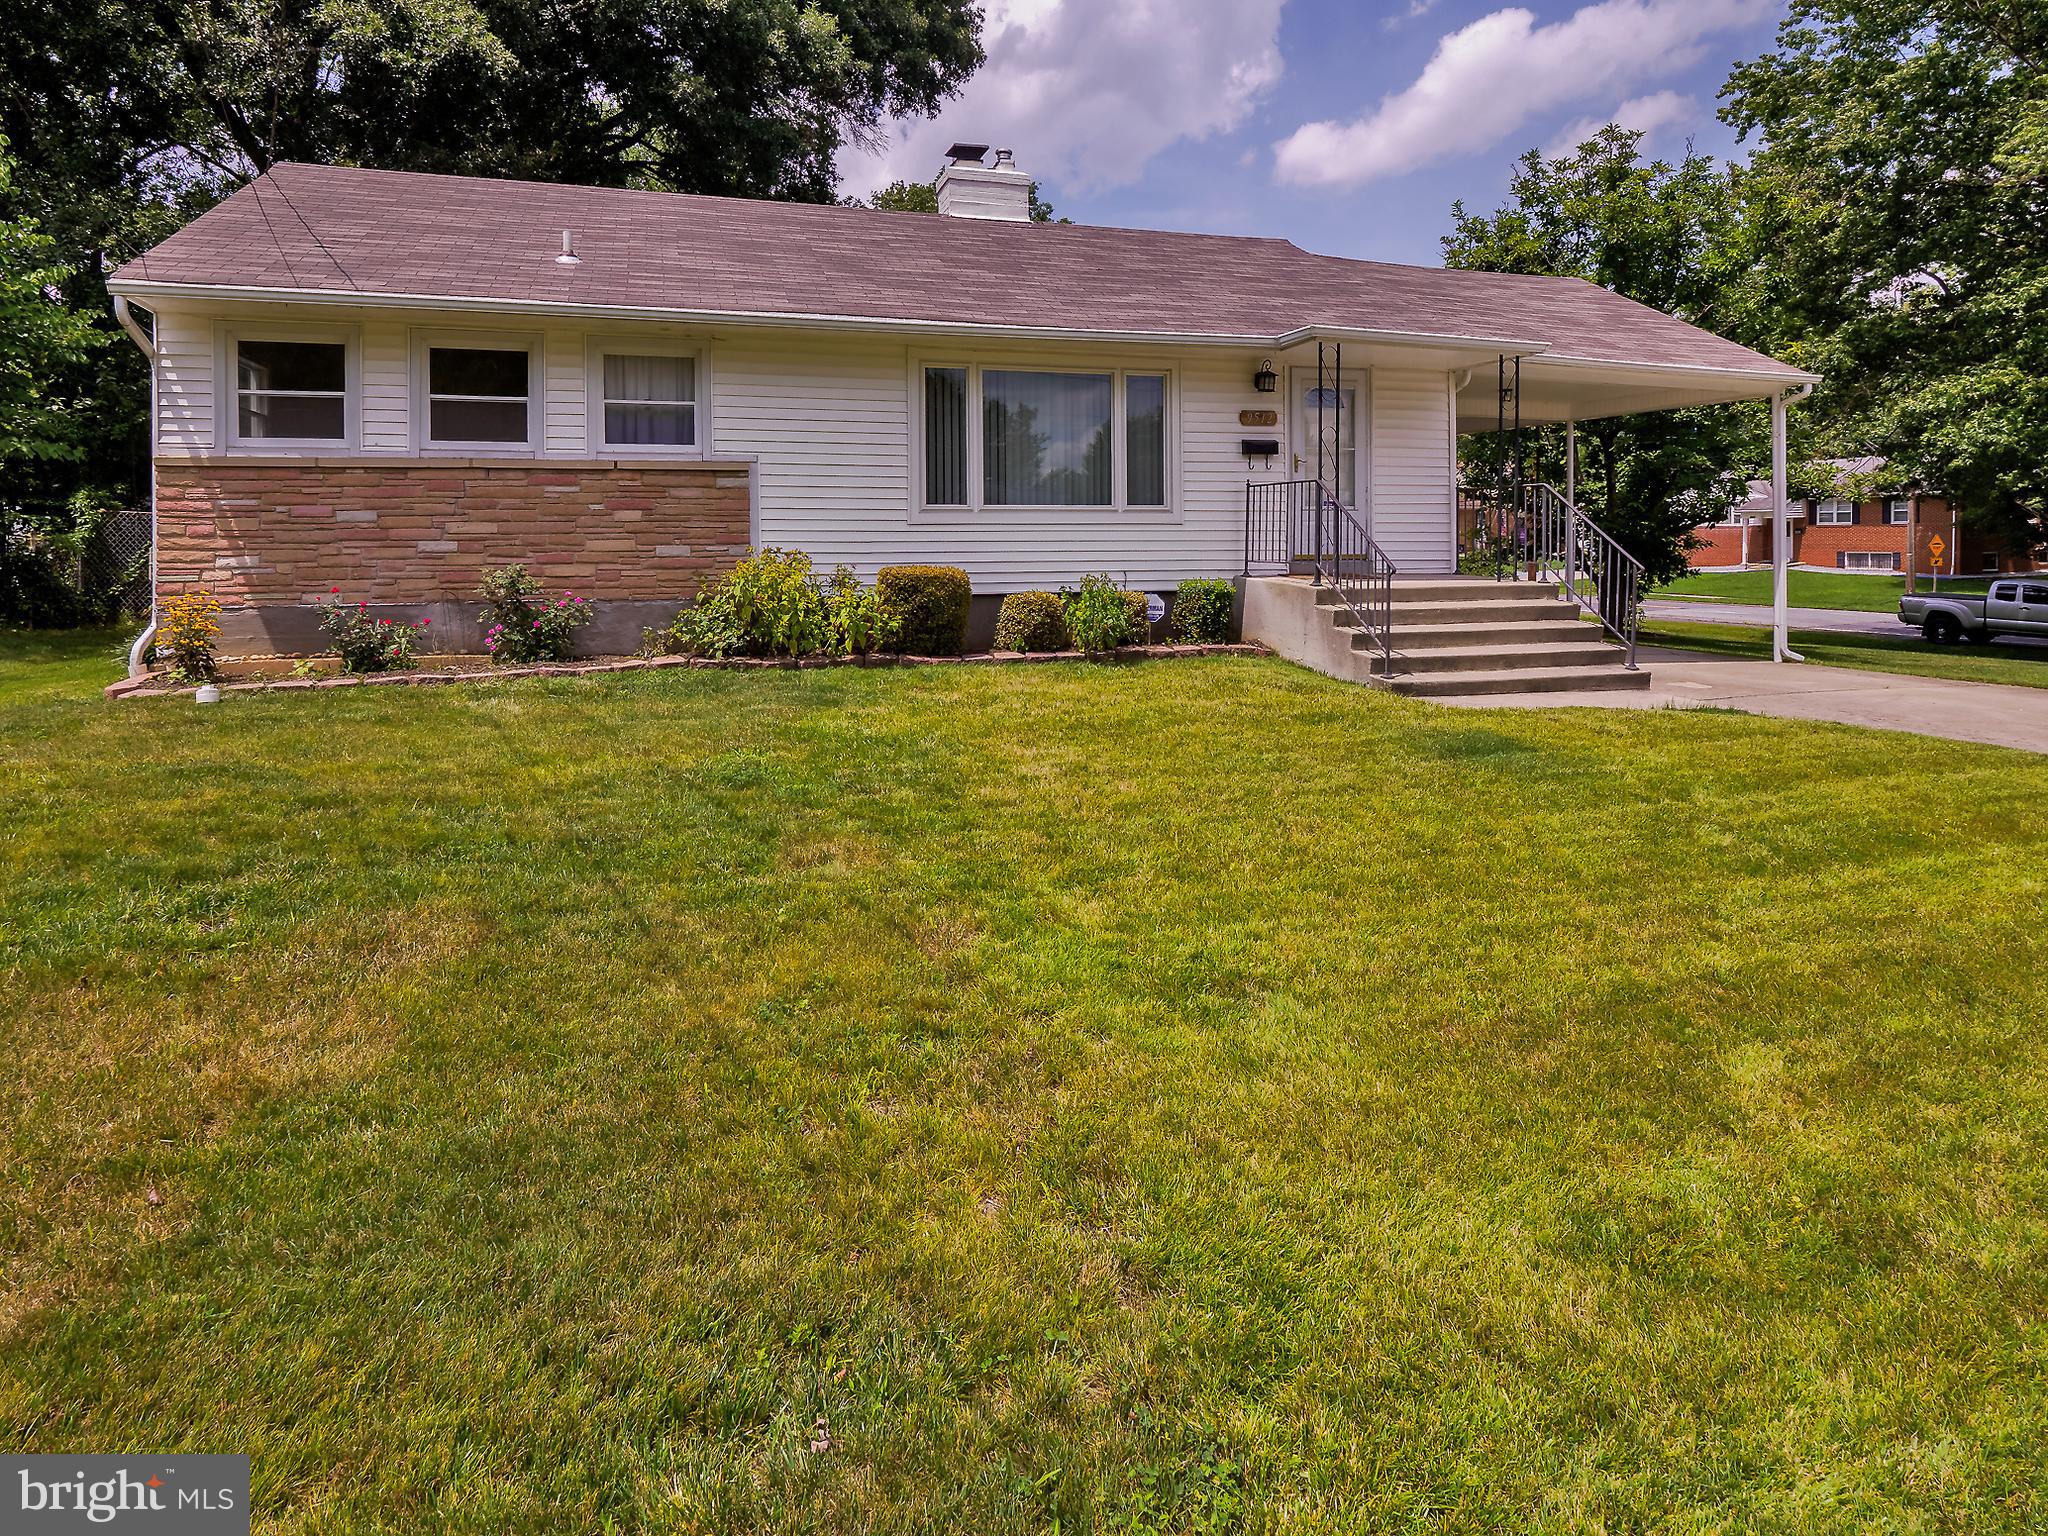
{"x":568,"y":258}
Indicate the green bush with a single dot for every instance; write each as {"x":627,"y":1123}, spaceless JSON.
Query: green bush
{"x":861,"y":622}
{"x":517,"y":628}
{"x":365,"y":644}
{"x":930,"y":602}
{"x":1201,"y":610}
{"x":1032,"y":621}
{"x":776,"y":603}
{"x":771,"y":604}
{"x":1139,"y":630}
{"x":1100,"y":614}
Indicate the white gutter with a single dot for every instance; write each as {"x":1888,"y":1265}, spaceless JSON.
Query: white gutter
{"x":126,"y":316}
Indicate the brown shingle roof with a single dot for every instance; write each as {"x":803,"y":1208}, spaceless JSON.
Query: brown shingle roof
{"x":341,"y":231}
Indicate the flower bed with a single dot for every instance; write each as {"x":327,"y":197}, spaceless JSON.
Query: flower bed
{"x":152,"y":685}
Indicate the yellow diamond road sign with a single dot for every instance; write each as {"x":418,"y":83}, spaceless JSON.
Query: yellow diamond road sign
{"x":1936,"y":548}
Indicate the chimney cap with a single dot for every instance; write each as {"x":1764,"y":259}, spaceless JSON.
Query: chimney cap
{"x":967,"y":152}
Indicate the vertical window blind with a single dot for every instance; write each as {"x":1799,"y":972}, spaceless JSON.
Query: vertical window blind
{"x":945,"y":437}
{"x":1145,"y":439}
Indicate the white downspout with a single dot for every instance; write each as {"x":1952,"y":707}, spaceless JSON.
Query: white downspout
{"x":1781,"y":532}
{"x":140,"y":649}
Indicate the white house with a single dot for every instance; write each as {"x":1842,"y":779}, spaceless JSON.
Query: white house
{"x":382,"y":382}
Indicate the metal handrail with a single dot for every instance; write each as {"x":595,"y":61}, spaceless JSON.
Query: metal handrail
{"x":1588,"y":562}
{"x":1291,"y":522}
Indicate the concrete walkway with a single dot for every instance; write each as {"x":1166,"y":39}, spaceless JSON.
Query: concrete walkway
{"x":1996,"y":713}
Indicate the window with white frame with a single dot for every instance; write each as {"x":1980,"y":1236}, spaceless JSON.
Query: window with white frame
{"x":1001,"y":437}
{"x":1867,"y":559}
{"x":1898,"y":510}
{"x":290,"y":390}
{"x":647,"y":400}
{"x":479,"y":394}
{"x":1834,"y":513}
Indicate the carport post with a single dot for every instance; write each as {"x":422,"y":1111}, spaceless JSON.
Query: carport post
{"x":1781,"y":537}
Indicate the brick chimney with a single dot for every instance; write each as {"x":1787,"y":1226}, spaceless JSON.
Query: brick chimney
{"x":970,"y":190}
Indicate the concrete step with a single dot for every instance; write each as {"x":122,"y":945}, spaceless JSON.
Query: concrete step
{"x":1495,"y":658}
{"x":1533,"y":610}
{"x":1448,"y":592}
{"x":1443,"y":685}
{"x":1429,"y":637}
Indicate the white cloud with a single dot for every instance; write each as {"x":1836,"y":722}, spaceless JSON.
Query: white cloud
{"x":1417,"y":9}
{"x":1487,"y":80}
{"x":1642,"y":114}
{"x":1087,"y":92}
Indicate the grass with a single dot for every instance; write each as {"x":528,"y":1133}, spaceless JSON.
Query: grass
{"x":1811,"y":589}
{"x":2026,"y":666}
{"x":1189,"y":1097}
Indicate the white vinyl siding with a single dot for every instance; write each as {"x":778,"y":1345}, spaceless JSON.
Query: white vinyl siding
{"x":1410,"y":468}
{"x":185,"y":381}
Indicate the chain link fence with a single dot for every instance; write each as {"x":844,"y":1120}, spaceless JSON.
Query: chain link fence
{"x":113,"y":566}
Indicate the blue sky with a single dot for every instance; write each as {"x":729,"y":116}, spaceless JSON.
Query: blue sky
{"x":1348,"y":128}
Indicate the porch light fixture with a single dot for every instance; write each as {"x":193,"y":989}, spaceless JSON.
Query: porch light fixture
{"x":1265,"y":381}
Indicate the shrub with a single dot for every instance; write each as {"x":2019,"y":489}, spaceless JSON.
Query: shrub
{"x":706,"y":629}
{"x":517,"y":628}
{"x":186,"y":633}
{"x":860,"y":621}
{"x":1201,"y":610}
{"x":1099,"y":614}
{"x":1032,"y":621}
{"x":775,"y":603}
{"x":931,"y":603}
{"x":1137,"y":606}
{"x":365,"y":644}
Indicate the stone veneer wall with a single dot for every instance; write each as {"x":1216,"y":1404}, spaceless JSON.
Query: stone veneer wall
{"x":270,"y":539}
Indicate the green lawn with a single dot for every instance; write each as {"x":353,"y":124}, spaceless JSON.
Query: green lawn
{"x":1190,"y":1097}
{"x":1811,"y":589}
{"x":2025,"y":665}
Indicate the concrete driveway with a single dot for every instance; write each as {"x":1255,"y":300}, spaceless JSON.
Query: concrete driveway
{"x":1995,"y":713}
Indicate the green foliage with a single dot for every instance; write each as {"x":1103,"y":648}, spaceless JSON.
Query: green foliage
{"x":776,"y":603}
{"x":1100,"y":615}
{"x":1898,"y":185}
{"x":1670,"y":236}
{"x":42,"y":341}
{"x":518,"y":628}
{"x":771,"y":604}
{"x":1032,"y":621}
{"x":366,"y":644}
{"x":859,"y":621}
{"x":931,"y":602}
{"x":1201,"y":610}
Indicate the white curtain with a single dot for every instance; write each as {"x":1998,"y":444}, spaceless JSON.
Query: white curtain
{"x":649,"y":399}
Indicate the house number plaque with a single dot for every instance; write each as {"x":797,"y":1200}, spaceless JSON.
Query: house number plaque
{"x":1258,"y":418}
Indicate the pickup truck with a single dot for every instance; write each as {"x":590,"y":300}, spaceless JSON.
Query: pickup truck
{"x":2009,"y":608}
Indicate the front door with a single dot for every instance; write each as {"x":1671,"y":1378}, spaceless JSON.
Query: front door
{"x":1328,"y":440}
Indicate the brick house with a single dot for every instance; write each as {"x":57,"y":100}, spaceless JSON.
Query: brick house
{"x":385,"y":382}
{"x":1875,"y":534}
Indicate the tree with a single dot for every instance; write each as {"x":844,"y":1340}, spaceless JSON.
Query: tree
{"x":1672,"y":237}
{"x":42,"y":342}
{"x":1901,"y":181}
{"x":923,"y":197}
{"x":133,"y":116}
